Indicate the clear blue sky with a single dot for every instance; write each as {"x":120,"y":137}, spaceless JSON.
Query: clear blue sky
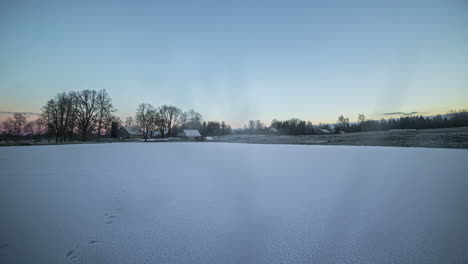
{"x":239,"y":60}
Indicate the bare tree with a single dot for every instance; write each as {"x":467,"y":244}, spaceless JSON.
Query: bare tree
{"x":59,"y":114}
{"x":145,"y":119}
{"x":50,"y":116}
{"x":361,"y":118}
{"x":130,"y":122}
{"x":259,"y":126}
{"x":87,"y":112}
{"x":171,"y":115}
{"x":161,"y":122}
{"x":15,"y":126}
{"x":104,"y":112}
{"x":72,"y":115}
{"x":223,"y":128}
{"x":19,"y":122}
{"x":36,"y":128}
{"x":251,"y":126}
{"x":84,"y":112}
{"x":8,"y":126}
{"x":66,"y":113}
{"x":191,"y":119}
{"x":343,"y":123}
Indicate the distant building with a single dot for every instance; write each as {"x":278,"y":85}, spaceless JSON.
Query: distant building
{"x":191,"y":134}
{"x":129,"y":132}
{"x":157,"y":133}
{"x":273,"y":130}
{"x":325,"y":131}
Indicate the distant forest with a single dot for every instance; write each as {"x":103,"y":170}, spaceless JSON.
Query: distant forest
{"x":296,"y":126}
{"x":89,"y":115}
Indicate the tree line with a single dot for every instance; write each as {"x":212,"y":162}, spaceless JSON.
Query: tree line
{"x":69,"y":116}
{"x":83,"y":115}
{"x":295,"y":126}
{"x":90,"y":115}
{"x":169,"y":121}
{"x":451,"y":119}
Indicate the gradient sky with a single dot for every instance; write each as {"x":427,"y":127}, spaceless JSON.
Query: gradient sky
{"x":239,"y":60}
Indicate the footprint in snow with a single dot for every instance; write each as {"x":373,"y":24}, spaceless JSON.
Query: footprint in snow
{"x":109,"y":222}
{"x":69,"y":253}
{"x":3,"y":245}
{"x":112,"y":216}
{"x":74,"y":257}
{"x":93,"y":241}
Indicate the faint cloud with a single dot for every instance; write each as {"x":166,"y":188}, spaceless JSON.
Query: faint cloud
{"x":26,"y":113}
{"x":402,"y":113}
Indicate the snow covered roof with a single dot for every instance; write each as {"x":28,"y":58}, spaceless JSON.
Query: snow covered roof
{"x":191,"y":133}
{"x":131,"y":130}
{"x":325,"y":130}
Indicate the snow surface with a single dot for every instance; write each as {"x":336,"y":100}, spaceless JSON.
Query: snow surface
{"x":232,"y":203}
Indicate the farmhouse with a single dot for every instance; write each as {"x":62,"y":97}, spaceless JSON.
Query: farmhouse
{"x":191,"y":134}
{"x":129,"y":132}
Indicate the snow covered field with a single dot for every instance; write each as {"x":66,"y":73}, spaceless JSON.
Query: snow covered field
{"x":232,"y":203}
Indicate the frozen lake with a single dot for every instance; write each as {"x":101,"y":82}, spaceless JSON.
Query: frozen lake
{"x":232,"y":203}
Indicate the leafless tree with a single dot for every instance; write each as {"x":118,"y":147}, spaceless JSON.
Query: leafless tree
{"x":361,"y":118}
{"x":15,"y":126}
{"x":191,"y":119}
{"x":171,"y":115}
{"x":59,"y":115}
{"x":259,"y":126}
{"x":72,"y":109}
{"x":145,"y":119}
{"x":66,"y":113}
{"x":343,"y":123}
{"x":251,"y":126}
{"x":104,"y":112}
{"x":87,"y":112}
{"x":36,"y":128}
{"x":50,"y":116}
{"x":8,"y":126}
{"x":130,"y":122}
{"x":161,"y":122}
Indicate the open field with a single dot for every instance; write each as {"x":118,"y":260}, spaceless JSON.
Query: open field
{"x":232,"y":203}
{"x":430,"y":138}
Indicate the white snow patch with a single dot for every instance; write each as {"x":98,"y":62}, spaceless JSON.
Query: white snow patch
{"x":232,"y":203}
